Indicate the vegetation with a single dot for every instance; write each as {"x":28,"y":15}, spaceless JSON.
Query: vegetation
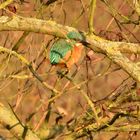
{"x":69,"y":69}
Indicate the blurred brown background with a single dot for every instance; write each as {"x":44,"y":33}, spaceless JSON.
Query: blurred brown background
{"x":27,"y":96}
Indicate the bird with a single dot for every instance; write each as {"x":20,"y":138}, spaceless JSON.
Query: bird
{"x":66,"y":53}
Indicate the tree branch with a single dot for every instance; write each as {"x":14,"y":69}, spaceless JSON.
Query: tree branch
{"x":91,"y":16}
{"x":112,"y":49}
{"x":4,"y":4}
{"x":8,"y":120}
{"x":27,"y":63}
{"x":106,"y":126}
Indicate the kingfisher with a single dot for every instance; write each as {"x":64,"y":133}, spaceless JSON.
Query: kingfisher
{"x":66,"y":53}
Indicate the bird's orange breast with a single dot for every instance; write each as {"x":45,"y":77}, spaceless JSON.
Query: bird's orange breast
{"x":73,"y":56}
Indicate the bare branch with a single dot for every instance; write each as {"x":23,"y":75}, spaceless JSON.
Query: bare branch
{"x":110,"y":48}
{"x":8,"y":120}
{"x":4,"y":4}
{"x":91,"y":16}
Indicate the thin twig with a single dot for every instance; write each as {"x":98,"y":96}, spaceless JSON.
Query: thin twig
{"x":91,"y":16}
{"x":90,"y":103}
{"x":25,"y":61}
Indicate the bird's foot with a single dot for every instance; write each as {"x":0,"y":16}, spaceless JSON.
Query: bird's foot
{"x":62,"y":73}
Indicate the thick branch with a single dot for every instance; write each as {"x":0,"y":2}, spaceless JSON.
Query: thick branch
{"x":18,"y":23}
{"x":112,"y":49}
